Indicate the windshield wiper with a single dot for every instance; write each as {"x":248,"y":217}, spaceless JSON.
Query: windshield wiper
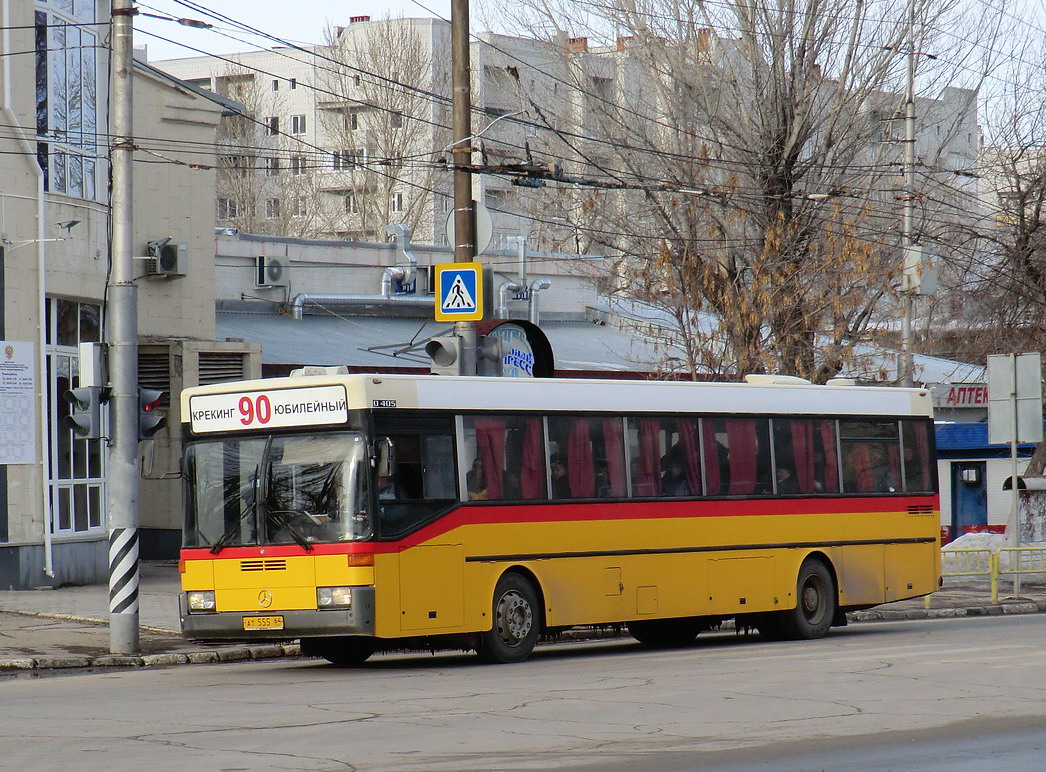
{"x":279,"y":518}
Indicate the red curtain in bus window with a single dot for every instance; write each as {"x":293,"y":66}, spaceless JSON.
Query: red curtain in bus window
{"x":614,"y":440}
{"x":691,"y":457}
{"x":580,"y":471}
{"x":803,"y":453}
{"x":648,"y":475}
{"x":893,"y":457}
{"x":831,"y":461}
{"x":532,"y":475}
{"x":490,"y":445}
{"x":861,"y":461}
{"x":740,"y":434}
{"x":922,"y":445}
{"x":711,"y":447}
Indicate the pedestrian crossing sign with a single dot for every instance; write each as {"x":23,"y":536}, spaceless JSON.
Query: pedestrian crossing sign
{"x":459,"y":292}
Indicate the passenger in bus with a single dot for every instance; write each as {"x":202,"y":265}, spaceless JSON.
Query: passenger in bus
{"x":560,"y":482}
{"x":603,"y":489}
{"x":786,"y":482}
{"x":673,"y":481}
{"x":476,"y":482}
{"x":882,"y":477}
{"x":511,"y":489}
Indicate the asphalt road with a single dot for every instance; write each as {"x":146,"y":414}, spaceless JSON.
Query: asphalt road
{"x":957,"y":694}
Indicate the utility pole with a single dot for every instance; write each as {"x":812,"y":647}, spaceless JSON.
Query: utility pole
{"x":122,"y":339}
{"x":461,"y":154}
{"x":908,"y":228}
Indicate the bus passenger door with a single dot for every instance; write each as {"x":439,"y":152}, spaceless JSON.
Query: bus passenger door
{"x":432,"y":588}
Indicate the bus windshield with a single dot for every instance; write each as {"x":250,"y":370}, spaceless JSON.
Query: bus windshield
{"x":277,"y":490}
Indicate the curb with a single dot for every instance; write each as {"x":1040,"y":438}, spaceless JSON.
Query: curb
{"x":237,"y":654}
{"x":987,"y":610}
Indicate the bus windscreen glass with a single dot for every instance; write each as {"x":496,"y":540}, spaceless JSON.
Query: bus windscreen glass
{"x":277,"y":490}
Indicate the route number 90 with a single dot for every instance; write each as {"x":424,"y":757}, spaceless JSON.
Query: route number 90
{"x":257,"y":409}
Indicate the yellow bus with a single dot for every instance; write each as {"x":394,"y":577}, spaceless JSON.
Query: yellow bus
{"x":366,"y":512}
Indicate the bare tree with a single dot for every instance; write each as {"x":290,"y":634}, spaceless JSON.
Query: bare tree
{"x":752,"y":165}
{"x":384,"y":128}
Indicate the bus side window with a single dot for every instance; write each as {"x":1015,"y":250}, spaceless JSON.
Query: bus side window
{"x":805,"y":456}
{"x":915,"y":437}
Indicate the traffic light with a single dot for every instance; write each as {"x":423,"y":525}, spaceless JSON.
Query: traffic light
{"x":86,"y":418}
{"x":490,"y":356}
{"x":150,"y":421}
{"x":445,"y":353}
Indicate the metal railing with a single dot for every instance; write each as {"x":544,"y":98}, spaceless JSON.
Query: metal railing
{"x":1015,"y":562}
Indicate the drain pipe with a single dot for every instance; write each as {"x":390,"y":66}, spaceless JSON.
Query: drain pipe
{"x":358,"y":301}
{"x":41,"y":250}
{"x":404,"y":274}
{"x":536,"y":286}
{"x":501,"y":312}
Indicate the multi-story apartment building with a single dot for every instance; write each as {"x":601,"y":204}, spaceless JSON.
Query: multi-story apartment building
{"x":347,"y":137}
{"x":54,"y":265}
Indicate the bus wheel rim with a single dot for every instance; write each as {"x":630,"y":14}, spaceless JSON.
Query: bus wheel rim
{"x":515,"y":618}
{"x":812,"y":605}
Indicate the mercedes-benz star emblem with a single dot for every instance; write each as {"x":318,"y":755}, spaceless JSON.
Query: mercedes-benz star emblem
{"x":264,"y":598}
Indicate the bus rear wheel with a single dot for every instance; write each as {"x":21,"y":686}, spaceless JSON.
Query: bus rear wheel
{"x":816,"y":603}
{"x":343,"y":652}
{"x":666,"y":633}
{"x":516,"y":622}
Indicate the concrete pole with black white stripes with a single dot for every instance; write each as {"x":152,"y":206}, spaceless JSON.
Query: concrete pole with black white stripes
{"x":122,"y":340}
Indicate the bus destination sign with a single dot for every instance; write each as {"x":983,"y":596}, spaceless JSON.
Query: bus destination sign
{"x":270,"y":409}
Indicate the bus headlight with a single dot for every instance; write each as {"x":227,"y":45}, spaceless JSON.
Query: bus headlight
{"x":334,"y":597}
{"x":201,"y":600}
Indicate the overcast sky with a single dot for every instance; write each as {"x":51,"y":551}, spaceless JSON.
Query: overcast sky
{"x":303,"y":21}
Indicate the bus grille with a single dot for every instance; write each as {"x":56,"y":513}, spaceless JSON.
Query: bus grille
{"x":266,"y":564}
{"x":920,"y":509}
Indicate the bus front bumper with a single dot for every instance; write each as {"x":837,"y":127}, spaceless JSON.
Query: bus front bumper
{"x":240,"y":625}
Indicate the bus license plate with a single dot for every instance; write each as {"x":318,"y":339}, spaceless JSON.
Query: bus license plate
{"x":263,"y":623}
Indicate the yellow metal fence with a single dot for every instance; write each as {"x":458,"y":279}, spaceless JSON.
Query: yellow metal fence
{"x":991,"y":564}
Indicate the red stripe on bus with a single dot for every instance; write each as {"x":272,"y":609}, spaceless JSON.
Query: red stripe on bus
{"x":485,"y":514}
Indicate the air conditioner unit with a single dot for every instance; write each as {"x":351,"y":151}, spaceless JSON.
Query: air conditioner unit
{"x":167,"y":259}
{"x":270,"y":272}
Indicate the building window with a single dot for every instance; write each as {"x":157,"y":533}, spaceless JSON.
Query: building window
{"x":396,"y":120}
{"x":275,"y":85}
{"x":352,"y":120}
{"x":352,"y":204}
{"x":357,"y":80}
{"x":298,"y":164}
{"x":237,"y":165}
{"x":396,"y":202}
{"x":272,"y":208}
{"x":360,"y":157}
{"x":228,"y":209}
{"x":297,"y":124}
{"x":272,"y":126}
{"x":300,"y":207}
{"x":272,"y":166}
{"x":67,"y":78}
{"x":294,"y":83}
{"x":76,"y":467}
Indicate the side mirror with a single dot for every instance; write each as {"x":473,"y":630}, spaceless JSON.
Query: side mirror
{"x":386,"y":454}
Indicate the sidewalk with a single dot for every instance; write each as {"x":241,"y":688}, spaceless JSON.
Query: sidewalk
{"x":69,"y":627}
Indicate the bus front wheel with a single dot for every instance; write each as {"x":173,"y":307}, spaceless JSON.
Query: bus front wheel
{"x":815,"y":603}
{"x":343,"y":652}
{"x":516,"y":622}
